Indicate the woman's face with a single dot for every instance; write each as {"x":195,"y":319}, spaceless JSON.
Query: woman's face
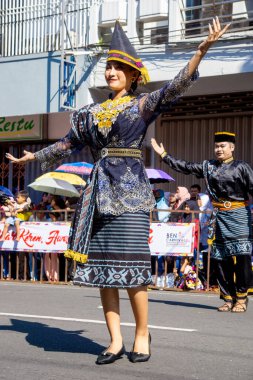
{"x":172,"y":198}
{"x":45,"y":197}
{"x":119,"y":76}
{"x":223,"y":150}
{"x":187,"y":209}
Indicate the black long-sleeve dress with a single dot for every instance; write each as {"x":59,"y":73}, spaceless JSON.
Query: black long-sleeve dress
{"x":112,"y":222}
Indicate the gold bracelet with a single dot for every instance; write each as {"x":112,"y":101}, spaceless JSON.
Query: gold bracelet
{"x":164,"y":153}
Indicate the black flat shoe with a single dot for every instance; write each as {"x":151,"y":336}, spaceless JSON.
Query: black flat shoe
{"x":108,"y":357}
{"x":138,"y":357}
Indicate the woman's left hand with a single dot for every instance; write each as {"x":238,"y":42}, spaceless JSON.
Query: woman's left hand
{"x":215,"y":32}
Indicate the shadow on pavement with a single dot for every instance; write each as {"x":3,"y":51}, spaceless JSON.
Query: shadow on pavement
{"x":184,"y":304}
{"x":53,"y":338}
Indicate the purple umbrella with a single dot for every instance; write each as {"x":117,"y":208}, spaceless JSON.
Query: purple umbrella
{"x":82,"y":168}
{"x":158,"y":176}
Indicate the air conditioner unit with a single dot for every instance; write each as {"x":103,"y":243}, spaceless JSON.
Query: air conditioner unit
{"x":152,"y":10}
{"x":112,"y":10}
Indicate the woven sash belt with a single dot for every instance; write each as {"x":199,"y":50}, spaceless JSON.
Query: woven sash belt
{"x":229,"y":205}
{"x":120,"y":152}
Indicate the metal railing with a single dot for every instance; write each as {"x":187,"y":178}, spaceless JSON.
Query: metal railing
{"x":34,"y":26}
{"x":195,"y":16}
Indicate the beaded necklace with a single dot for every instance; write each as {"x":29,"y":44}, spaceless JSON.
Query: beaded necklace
{"x":106,"y":113}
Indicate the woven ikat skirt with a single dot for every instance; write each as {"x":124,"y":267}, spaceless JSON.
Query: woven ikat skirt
{"x":233,"y":235}
{"x":119,"y":255}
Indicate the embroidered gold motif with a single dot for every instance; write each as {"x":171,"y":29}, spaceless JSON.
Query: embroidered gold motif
{"x":106,"y":113}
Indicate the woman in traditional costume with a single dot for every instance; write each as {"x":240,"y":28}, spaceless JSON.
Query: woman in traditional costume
{"x":229,"y":183}
{"x":111,"y":223}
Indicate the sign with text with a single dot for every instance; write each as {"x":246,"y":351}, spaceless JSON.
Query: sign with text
{"x":37,"y":237}
{"x":21,"y":128}
{"x":172,"y":239}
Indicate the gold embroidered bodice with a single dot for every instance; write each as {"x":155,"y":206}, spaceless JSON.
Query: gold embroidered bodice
{"x":106,"y":113}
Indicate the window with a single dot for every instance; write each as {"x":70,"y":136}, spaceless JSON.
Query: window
{"x":192,"y":17}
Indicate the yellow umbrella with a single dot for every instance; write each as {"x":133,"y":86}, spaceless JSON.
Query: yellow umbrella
{"x":68,"y":177}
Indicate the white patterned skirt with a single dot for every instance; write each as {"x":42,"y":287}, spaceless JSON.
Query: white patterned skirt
{"x":119,"y":255}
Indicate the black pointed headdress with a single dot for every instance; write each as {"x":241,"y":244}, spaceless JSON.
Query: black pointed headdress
{"x":122,"y":50}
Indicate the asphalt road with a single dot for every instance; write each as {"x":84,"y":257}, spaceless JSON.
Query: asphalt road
{"x":56,"y":331}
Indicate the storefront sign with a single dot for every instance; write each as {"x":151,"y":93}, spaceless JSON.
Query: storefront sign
{"x":37,"y":237}
{"x":21,"y":128}
{"x":172,"y":239}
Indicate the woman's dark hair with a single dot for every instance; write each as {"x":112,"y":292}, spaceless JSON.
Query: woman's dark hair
{"x":134,"y":85}
{"x":59,"y":201}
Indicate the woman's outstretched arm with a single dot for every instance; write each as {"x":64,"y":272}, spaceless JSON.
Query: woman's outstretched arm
{"x":215,"y":32}
{"x":154,"y":103}
{"x":27,"y":157}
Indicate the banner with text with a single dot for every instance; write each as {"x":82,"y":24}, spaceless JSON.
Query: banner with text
{"x":172,"y":239}
{"x":164,"y":238}
{"x":37,"y":237}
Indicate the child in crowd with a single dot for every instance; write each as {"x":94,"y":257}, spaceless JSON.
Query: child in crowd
{"x":188,"y":279}
{"x":16,"y":212}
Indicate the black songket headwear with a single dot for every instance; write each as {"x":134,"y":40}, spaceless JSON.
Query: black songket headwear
{"x":224,"y":137}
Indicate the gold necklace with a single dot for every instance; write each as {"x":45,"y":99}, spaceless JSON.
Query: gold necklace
{"x":106,"y":113}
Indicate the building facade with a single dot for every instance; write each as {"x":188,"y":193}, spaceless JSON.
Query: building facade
{"x":52,"y":57}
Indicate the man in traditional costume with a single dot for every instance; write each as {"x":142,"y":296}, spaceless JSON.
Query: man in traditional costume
{"x":111,"y":223}
{"x":229,"y":183}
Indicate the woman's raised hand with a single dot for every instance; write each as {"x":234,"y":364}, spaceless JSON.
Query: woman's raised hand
{"x":158,"y":148}
{"x":215,"y":32}
{"x":28,"y":156}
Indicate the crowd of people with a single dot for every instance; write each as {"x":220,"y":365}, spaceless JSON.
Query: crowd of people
{"x":51,"y":208}
{"x":182,"y":206}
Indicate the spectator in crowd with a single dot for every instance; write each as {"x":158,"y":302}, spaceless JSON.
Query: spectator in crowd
{"x":204,"y":217}
{"x":51,"y":259}
{"x":182,"y":194}
{"x":35,"y":258}
{"x":173,"y":205}
{"x":188,"y":277}
{"x":161,"y":216}
{"x":188,"y":216}
{"x":161,"y":204}
{"x":70,"y":206}
{"x":19,"y":211}
{"x":57,"y":204}
{"x":195,"y":193}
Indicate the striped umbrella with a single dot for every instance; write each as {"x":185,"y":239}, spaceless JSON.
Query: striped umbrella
{"x":82,"y":168}
{"x":68,"y":177}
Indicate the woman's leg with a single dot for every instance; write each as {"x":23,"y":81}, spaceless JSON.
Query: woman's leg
{"x":139,"y":302}
{"x":110,"y":303}
{"x":17,"y":224}
{"x":47,"y":265}
{"x":54,"y":267}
